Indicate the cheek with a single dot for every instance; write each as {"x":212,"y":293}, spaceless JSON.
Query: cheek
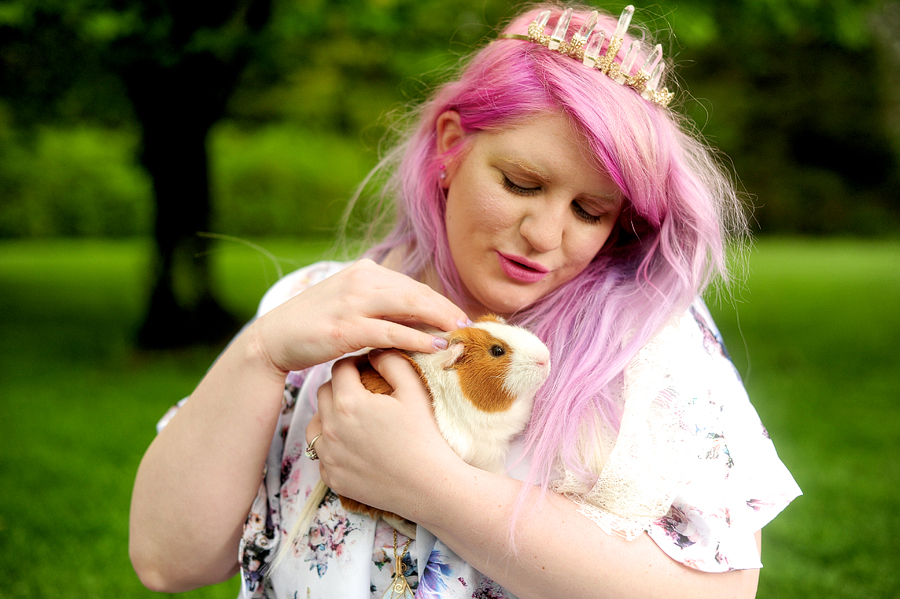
{"x":586,"y":246}
{"x":477,"y":214}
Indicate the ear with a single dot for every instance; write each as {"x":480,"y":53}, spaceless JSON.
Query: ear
{"x":492,"y":318}
{"x":448,"y":130}
{"x":454,"y":353}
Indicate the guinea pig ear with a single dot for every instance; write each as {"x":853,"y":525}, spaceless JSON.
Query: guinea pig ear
{"x":453,"y":354}
{"x":492,"y":318}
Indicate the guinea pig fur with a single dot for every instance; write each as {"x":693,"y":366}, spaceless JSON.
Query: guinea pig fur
{"x":482,"y":388}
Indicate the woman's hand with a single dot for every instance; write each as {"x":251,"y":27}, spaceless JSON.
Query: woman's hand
{"x":380,"y":450}
{"x":364,"y":305}
{"x":201,"y":473}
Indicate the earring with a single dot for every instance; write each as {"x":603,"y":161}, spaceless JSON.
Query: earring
{"x":443,"y":172}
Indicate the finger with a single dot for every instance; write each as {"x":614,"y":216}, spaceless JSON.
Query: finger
{"x":314,"y":428}
{"x":400,"y":336}
{"x":345,"y":376}
{"x":396,"y":370}
{"x":403,"y":299}
{"x":324,"y":397}
{"x":418,"y":304}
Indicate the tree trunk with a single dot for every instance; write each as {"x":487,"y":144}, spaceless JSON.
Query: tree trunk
{"x":179,"y":84}
{"x":176,"y":106}
{"x":182,"y":309}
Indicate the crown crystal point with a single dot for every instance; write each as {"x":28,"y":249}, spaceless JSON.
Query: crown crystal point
{"x":592,"y":50}
{"x":628,"y":61}
{"x":576,"y":45}
{"x":586,"y":45}
{"x":559,"y":33}
{"x":654,"y":59}
{"x":624,"y":21}
{"x":588,"y":26}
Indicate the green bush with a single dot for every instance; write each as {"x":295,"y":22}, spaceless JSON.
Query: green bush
{"x":282,"y":180}
{"x":80,"y":181}
{"x":86,"y":182}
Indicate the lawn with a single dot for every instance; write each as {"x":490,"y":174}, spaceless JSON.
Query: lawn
{"x":812,"y":331}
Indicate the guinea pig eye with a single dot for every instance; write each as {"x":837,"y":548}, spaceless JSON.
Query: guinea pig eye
{"x":497,"y":351}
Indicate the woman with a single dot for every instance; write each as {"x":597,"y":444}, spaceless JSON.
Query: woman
{"x":549,"y":184}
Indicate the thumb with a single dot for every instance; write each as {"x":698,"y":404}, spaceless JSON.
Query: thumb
{"x":397,"y":370}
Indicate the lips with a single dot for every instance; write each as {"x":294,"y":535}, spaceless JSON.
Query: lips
{"x":520,"y":269}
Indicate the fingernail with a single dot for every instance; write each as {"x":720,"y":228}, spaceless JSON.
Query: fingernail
{"x":463,"y":324}
{"x":439,"y":343}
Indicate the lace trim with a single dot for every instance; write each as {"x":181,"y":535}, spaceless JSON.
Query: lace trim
{"x":648,"y":463}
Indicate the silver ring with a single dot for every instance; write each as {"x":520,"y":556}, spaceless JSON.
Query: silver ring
{"x":310,"y":450}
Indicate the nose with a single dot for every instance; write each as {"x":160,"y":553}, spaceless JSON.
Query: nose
{"x":543,"y":227}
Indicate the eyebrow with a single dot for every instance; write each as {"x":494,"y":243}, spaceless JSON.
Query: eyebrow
{"x":528,"y":166}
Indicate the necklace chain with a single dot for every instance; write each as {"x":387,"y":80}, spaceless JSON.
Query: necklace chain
{"x":399,"y":587}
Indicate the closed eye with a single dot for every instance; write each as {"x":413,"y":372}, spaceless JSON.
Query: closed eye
{"x":580,"y":212}
{"x":518,"y":189}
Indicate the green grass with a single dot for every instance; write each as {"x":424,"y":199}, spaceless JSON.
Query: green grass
{"x":79,"y":405}
{"x":818,"y":322}
{"x":821,"y":324}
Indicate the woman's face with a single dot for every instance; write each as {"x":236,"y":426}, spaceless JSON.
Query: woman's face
{"x":527,"y":210}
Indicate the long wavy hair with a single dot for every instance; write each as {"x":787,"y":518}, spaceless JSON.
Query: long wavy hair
{"x":680,"y":215}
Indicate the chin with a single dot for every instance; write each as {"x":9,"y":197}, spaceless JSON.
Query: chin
{"x":505,"y":308}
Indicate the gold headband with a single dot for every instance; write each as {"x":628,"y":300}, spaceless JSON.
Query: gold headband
{"x":585,"y":45}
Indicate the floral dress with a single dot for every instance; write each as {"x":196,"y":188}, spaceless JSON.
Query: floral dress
{"x":731,"y":484}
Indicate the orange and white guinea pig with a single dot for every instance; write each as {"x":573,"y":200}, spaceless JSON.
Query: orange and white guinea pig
{"x":482,"y":388}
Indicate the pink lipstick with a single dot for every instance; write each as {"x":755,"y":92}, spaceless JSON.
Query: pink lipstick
{"x":521,"y":269}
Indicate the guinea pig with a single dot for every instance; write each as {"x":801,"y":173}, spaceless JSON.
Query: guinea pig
{"x":482,"y":388}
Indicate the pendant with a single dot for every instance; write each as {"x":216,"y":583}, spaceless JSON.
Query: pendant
{"x":399,"y":588}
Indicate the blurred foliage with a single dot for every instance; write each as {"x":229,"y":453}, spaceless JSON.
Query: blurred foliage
{"x":790,"y":91}
{"x":79,"y":181}
{"x":800,"y":95}
{"x":262,"y":176}
{"x":178,"y":64}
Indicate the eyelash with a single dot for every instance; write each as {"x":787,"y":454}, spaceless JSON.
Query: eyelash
{"x":591,"y":219}
{"x":518,"y":189}
{"x":580,"y":212}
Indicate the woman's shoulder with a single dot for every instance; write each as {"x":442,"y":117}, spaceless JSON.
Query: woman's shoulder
{"x":686,"y":348}
{"x":294,"y":283}
{"x":692,"y":465}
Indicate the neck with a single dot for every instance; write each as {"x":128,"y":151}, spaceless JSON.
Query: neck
{"x":394,"y":261}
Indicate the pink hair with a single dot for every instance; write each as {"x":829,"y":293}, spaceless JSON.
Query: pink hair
{"x":680,"y":213}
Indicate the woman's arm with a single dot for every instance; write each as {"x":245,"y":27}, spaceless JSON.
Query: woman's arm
{"x":196,"y":482}
{"x":560,"y":553}
{"x":387,"y":452}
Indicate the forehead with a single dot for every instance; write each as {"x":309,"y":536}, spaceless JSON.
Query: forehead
{"x":549,"y":147}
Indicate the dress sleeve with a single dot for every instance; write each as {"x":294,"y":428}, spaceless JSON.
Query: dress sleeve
{"x":284,"y":478}
{"x":692,"y":465}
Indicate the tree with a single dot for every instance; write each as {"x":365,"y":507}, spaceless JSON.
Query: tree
{"x":178,"y":63}
{"x":179,"y":71}
{"x":793,"y":86}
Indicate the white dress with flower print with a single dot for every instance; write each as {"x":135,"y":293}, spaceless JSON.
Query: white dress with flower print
{"x":737,"y":486}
